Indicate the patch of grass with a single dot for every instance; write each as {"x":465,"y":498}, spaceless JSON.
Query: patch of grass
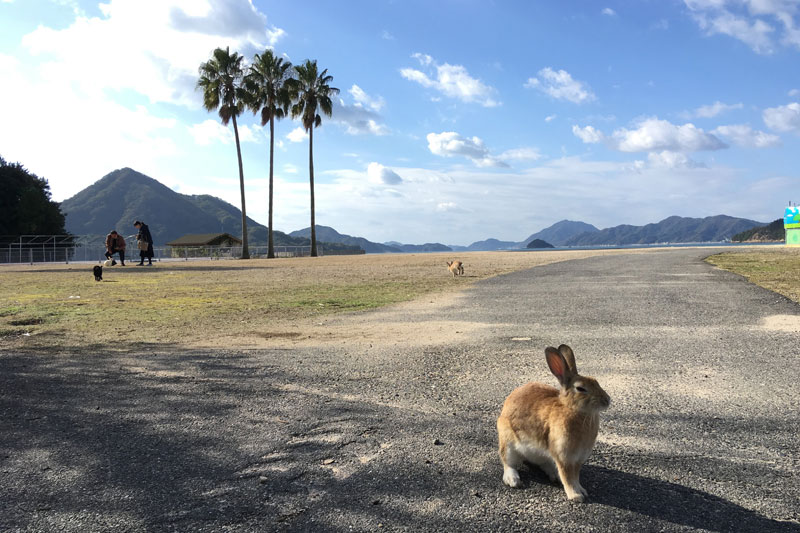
{"x":9,"y":310}
{"x":203,"y":301}
{"x":777,"y":269}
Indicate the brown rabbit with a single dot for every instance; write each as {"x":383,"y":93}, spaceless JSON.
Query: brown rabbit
{"x":553,"y":429}
{"x":456,"y":268}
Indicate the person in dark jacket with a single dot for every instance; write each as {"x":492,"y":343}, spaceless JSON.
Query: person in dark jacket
{"x":115,"y":243}
{"x":145,"y":243}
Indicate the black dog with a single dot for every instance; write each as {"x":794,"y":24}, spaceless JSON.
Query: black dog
{"x":98,"y":273}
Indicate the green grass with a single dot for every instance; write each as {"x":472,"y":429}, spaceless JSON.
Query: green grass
{"x":172,"y":303}
{"x":222,"y":302}
{"x":776,"y":269}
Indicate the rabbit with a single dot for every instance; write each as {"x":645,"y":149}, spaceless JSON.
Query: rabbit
{"x":456,"y":268}
{"x":553,"y":429}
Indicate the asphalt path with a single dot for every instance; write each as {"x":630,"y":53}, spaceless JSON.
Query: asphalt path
{"x":702,"y":433}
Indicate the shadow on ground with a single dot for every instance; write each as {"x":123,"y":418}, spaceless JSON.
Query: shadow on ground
{"x":205,"y":441}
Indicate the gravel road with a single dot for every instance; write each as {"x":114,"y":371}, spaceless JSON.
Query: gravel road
{"x":702,"y":433}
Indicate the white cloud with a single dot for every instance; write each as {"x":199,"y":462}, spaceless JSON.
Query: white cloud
{"x":447,"y":206}
{"x":743,"y":135}
{"x":608,"y":12}
{"x":451,"y":80}
{"x":667,"y":159}
{"x":763,"y":25}
{"x":365,"y":100}
{"x":358,"y":120}
{"x":521,"y":154}
{"x":379,"y":174}
{"x":212,"y":131}
{"x":387,"y":36}
{"x":424,"y":59}
{"x":361,"y":118}
{"x":550,"y":118}
{"x":289,"y":168}
{"x":152,"y":47}
{"x":297,"y":135}
{"x":560,"y":85}
{"x":783,"y":118}
{"x":588,"y":134}
{"x":793,"y":92}
{"x":654,"y":135}
{"x":712,"y":110}
{"x":450,"y":144}
{"x":79,"y":146}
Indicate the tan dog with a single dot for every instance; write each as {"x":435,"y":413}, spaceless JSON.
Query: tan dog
{"x":554,"y":429}
{"x":456,"y":268}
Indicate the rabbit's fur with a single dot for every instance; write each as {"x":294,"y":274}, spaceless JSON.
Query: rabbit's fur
{"x":554,"y":429}
{"x":456,"y":268}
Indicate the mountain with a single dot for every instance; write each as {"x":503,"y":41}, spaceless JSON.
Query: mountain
{"x":328,"y":234}
{"x":537,"y":244}
{"x":560,"y":232}
{"x":124,"y":195}
{"x":672,"y":229}
{"x":419,"y":248}
{"x":490,"y":245}
{"x":772,"y":232}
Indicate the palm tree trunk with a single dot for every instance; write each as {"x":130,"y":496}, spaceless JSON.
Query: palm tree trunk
{"x":270,"y":243}
{"x":245,"y":249}
{"x":311,"y":179}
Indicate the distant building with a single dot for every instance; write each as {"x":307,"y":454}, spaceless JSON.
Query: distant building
{"x":204,"y":245}
{"x":791,"y":223}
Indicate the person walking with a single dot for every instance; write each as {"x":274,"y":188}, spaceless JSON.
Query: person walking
{"x":115,"y":243}
{"x":145,"y":243}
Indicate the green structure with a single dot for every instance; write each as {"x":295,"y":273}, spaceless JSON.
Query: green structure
{"x":791,"y":223}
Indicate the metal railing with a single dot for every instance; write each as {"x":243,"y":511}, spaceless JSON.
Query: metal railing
{"x":69,"y":248}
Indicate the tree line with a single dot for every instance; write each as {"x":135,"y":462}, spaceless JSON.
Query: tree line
{"x":25,"y":204}
{"x":272,"y":88}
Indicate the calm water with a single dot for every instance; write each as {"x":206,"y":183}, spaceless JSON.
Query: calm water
{"x":660,"y":245}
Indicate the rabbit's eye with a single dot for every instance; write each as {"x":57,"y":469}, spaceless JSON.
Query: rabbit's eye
{"x":580,"y":389}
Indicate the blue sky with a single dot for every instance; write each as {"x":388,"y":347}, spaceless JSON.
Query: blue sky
{"x":457,"y":120}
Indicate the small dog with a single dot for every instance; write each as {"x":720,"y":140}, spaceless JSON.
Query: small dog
{"x":98,"y":273}
{"x":456,"y":268}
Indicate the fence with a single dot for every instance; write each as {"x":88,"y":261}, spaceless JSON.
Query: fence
{"x":70,"y":248}
{"x":37,"y":248}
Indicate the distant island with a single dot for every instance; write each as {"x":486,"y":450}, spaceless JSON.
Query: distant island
{"x":538,"y":244}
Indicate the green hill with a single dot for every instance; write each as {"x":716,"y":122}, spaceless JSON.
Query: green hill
{"x":772,"y":232}
{"x":124,"y":195}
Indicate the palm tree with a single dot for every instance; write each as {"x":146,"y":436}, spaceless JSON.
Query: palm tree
{"x":268,"y":93}
{"x":311,"y":91}
{"x":221,"y":81}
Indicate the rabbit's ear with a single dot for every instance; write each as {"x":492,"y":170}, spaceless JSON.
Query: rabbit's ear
{"x":558,"y":366}
{"x":566,"y":351}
